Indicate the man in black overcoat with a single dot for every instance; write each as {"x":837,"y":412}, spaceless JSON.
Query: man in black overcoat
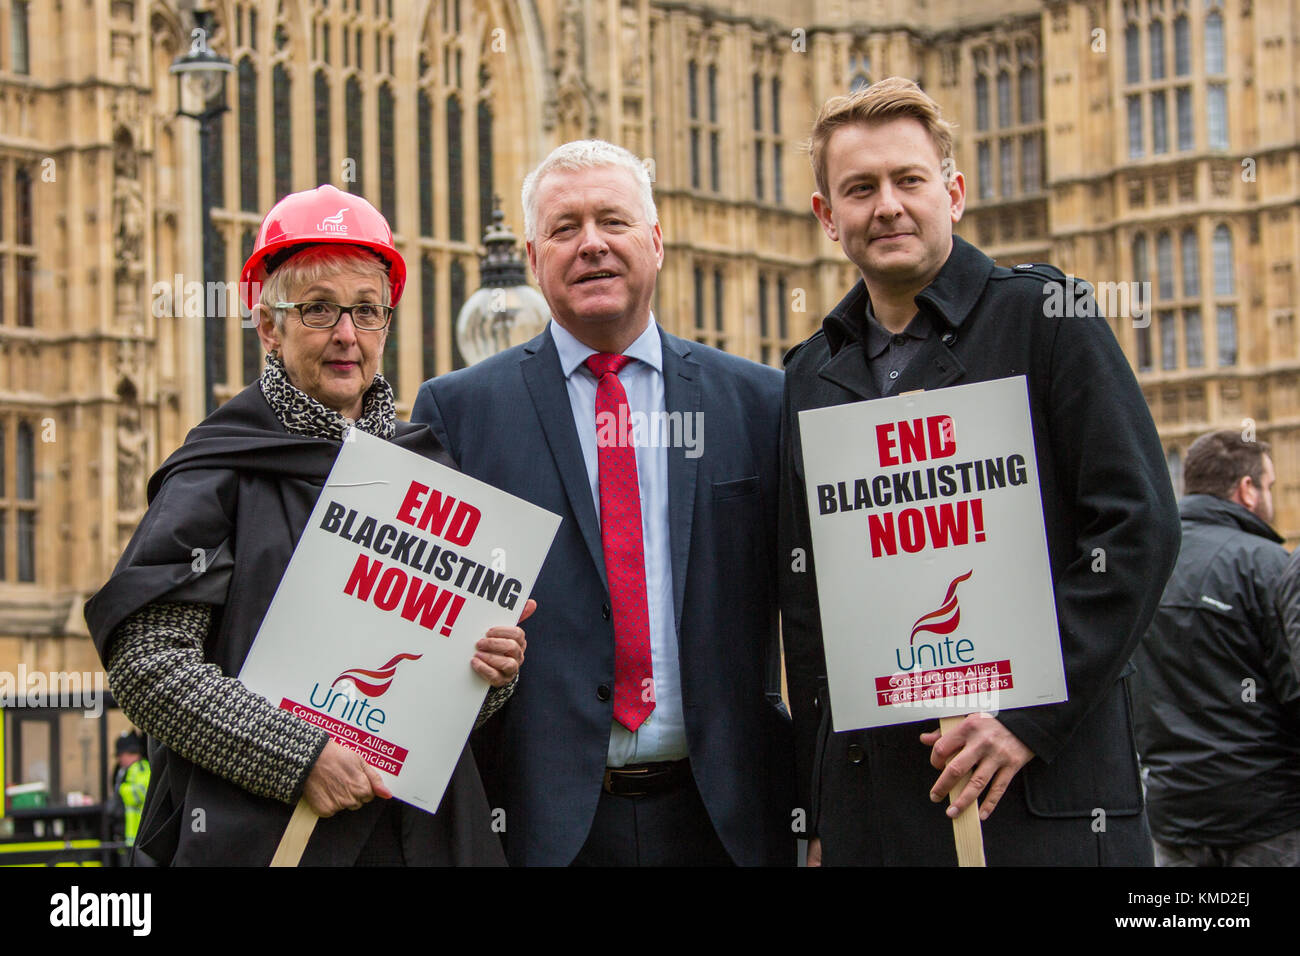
{"x":932,"y":311}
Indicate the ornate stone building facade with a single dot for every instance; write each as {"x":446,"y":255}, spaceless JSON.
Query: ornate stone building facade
{"x":1125,"y":141}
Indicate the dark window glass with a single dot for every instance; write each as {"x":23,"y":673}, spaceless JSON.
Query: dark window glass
{"x":1132,"y":54}
{"x":713,"y":93}
{"x":1156,"y":39}
{"x":1216,"y":110}
{"x":715,"y":161}
{"x":778,"y":173}
{"x":24,"y":294}
{"x":1135,"y":147}
{"x":1031,"y":163}
{"x":485,"y":165}
{"x":1182,"y":46}
{"x":392,"y":366}
{"x":424,"y":126}
{"x":1191,"y":264}
{"x":1144,"y":348}
{"x":782,"y":310}
{"x":699,"y":298}
{"x":455,"y":177}
{"x":323,"y":165}
{"x":18,"y":60}
{"x":1159,"y":122}
{"x":985,"y":163}
{"x":355,"y":141}
{"x":26,"y":546}
{"x":248,"y":157}
{"x":1186,"y":124}
{"x":758,"y":101}
{"x":719,"y":305}
{"x":758,"y":168}
{"x":1213,"y":43}
{"x":387,"y":160}
{"x":693,"y":89}
{"x":764,"y":329}
{"x":428,"y":317}
{"x":282,"y":130}
{"x":1165,"y":265}
{"x":1141,"y":266}
{"x":1194,"y":338}
{"x":1004,"y":99}
{"x":251,"y":351}
{"x":1007,"y":166}
{"x":22,"y":206}
{"x":1227,"y":328}
{"x":695,"y":159}
{"x":1224,"y":281}
{"x":457,"y":290}
{"x":1028,"y":95}
{"x":776,"y":105}
{"x":981,"y":102}
{"x":25,"y":459}
{"x":1168,"y":341}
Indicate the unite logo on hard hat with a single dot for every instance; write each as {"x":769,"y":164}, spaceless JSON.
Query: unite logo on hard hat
{"x":333,"y":223}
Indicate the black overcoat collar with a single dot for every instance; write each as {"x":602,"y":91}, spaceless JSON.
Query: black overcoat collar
{"x":948,"y":301}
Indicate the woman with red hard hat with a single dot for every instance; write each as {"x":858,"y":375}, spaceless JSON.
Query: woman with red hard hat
{"x":173,"y":632}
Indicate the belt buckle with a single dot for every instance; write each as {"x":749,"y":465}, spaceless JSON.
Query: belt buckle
{"x":622,"y":772}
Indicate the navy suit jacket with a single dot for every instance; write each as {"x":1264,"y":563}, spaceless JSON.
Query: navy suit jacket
{"x":507,"y":421}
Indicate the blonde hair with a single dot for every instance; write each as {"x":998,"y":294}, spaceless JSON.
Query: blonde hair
{"x":320,"y":261}
{"x":882,"y":101}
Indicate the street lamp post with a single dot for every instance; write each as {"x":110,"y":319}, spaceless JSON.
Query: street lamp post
{"x":506,"y":310}
{"x":201,"y":78}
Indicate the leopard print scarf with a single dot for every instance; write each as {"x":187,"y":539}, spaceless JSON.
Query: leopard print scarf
{"x":303,"y":415}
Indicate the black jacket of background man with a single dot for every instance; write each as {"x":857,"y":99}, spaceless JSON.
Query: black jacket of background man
{"x":1216,"y":697}
{"x":1105,"y":485}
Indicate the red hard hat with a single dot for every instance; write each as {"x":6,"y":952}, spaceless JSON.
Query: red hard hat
{"x":323,"y":214}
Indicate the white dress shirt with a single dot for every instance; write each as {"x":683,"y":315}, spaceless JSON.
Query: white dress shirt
{"x":663,"y":734}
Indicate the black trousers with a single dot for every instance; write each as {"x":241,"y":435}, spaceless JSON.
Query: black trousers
{"x":671,"y":828}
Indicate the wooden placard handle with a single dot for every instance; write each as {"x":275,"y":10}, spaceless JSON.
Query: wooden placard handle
{"x":966,"y":828}
{"x":296,"y":835}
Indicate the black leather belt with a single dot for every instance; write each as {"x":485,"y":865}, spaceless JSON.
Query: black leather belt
{"x":642,"y":779}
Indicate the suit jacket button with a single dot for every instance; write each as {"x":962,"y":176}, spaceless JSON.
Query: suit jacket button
{"x":602,"y":692}
{"x":855,"y":754}
{"x":604,"y":612}
{"x":948,"y":338}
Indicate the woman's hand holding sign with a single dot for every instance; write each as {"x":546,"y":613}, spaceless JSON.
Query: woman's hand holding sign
{"x":341,"y":780}
{"x":982,"y":747}
{"x":501,"y":653}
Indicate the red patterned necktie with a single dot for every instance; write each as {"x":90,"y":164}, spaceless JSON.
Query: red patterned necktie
{"x":620,"y":535}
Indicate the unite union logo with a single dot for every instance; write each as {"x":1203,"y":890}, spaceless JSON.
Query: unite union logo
{"x":333,"y":223}
{"x":939,"y":651}
{"x":373,"y":683}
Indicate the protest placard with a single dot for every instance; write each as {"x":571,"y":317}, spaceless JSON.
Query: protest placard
{"x":931,"y":556}
{"x":402,"y":567}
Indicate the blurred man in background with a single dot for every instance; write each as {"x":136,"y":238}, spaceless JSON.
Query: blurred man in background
{"x":1217,"y":699}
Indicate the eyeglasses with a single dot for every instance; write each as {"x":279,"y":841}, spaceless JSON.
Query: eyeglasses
{"x":366,"y":316}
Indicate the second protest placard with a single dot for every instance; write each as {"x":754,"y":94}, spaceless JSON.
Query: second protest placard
{"x":931,"y":558}
{"x":403,"y":566}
